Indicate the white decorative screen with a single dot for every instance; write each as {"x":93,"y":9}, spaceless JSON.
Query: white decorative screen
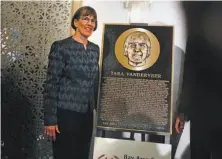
{"x":28,"y":28}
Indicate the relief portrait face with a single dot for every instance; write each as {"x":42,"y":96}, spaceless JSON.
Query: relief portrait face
{"x":137,"y":48}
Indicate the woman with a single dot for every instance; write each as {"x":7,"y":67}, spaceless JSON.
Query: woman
{"x":71,"y":88}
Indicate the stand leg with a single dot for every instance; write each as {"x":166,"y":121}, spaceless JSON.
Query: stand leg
{"x":143,"y":137}
{"x":131,"y":136}
{"x":167,"y":139}
{"x":100,"y":133}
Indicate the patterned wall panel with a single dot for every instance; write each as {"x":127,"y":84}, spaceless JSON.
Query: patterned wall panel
{"x":27,"y":32}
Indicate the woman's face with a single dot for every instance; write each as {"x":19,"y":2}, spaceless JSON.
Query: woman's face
{"x":85,"y":25}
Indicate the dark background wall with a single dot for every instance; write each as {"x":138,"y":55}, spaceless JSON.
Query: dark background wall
{"x":27,"y":31}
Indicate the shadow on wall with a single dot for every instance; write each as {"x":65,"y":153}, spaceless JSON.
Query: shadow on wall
{"x":16,"y":114}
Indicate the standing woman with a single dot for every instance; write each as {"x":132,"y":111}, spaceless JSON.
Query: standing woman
{"x":71,"y":88}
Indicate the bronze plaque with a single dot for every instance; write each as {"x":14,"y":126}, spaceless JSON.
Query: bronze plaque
{"x":136,"y":78}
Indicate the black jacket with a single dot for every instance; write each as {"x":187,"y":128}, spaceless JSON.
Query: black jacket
{"x":72,"y":78}
{"x":201,"y":97}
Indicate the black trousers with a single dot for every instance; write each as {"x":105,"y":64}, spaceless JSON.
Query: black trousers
{"x":73,"y":141}
{"x":205,"y":140}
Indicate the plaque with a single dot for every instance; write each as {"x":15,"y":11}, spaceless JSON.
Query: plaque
{"x":136,"y":78}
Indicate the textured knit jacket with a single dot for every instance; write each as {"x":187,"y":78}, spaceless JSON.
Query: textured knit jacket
{"x":72,"y":78}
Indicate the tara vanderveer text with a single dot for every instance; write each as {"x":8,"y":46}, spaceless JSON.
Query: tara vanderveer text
{"x":140,"y":102}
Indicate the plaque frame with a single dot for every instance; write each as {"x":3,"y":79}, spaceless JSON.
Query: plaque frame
{"x":106,"y":128}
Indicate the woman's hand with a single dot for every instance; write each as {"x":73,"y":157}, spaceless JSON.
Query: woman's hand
{"x":51,"y":131}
